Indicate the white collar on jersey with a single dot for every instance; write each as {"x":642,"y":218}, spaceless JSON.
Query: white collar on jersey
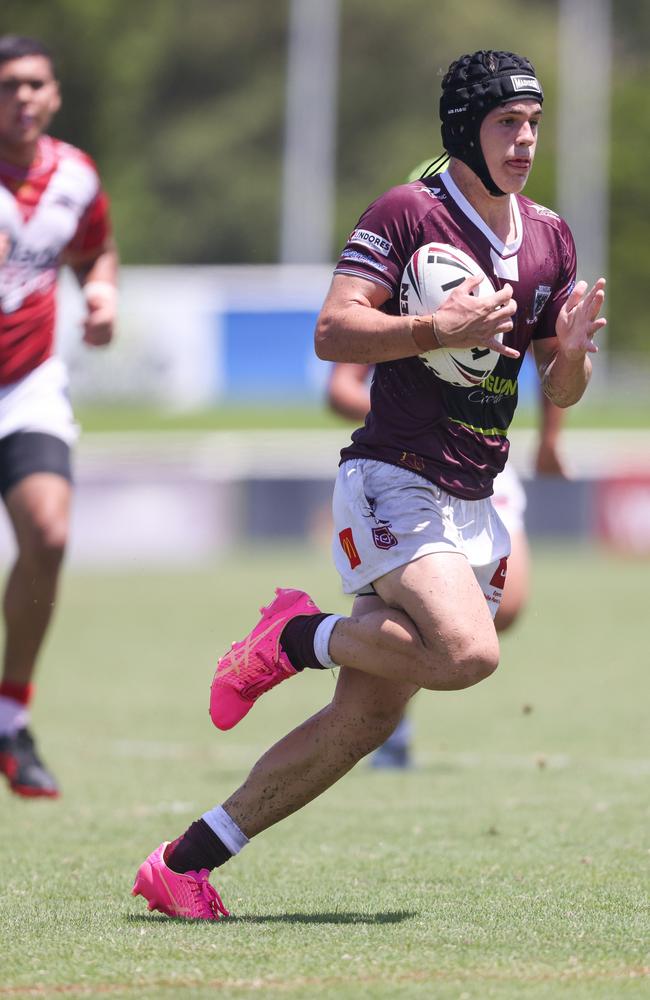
{"x":503,"y":249}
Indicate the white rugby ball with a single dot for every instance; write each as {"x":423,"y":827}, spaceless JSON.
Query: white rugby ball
{"x":432,"y":273}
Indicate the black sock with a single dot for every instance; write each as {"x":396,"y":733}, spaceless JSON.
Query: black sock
{"x":199,"y":847}
{"x":297,"y":640}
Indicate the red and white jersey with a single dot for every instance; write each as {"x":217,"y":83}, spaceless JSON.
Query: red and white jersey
{"x":56,"y":204}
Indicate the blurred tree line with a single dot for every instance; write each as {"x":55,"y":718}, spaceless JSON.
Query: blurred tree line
{"x":181,"y":103}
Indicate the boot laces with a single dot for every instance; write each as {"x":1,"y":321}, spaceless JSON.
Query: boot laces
{"x":209,"y":898}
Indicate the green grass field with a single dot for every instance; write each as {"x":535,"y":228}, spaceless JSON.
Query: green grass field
{"x":511,"y":863}
{"x":631,"y":413}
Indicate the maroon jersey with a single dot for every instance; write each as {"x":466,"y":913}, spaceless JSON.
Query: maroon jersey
{"x":455,"y":437}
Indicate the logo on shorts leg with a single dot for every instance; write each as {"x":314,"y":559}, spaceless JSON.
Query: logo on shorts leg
{"x":499,"y":578}
{"x":383,"y":537}
{"x":350,"y":549}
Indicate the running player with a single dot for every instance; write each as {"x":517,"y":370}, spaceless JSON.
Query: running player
{"x":416,"y":536}
{"x":52,"y":212}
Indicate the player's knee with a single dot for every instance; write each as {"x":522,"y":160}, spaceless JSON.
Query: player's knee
{"x":469,"y":663}
{"x":46,"y":542}
{"x":479,"y":667}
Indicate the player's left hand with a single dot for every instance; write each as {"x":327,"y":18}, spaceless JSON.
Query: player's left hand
{"x":578,"y":320}
{"x":100,"y":318}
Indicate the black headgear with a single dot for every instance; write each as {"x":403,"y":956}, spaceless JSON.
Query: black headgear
{"x":473,"y":86}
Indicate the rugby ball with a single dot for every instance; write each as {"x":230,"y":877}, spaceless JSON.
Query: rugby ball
{"x":432,"y":273}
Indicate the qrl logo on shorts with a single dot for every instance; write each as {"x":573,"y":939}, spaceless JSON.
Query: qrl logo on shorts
{"x":350,"y":549}
{"x":383,"y":537}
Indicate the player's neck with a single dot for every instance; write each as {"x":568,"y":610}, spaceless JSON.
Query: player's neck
{"x":20,"y":155}
{"x":495,"y":211}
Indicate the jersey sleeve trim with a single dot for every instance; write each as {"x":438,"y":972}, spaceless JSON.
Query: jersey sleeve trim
{"x":365,"y":275}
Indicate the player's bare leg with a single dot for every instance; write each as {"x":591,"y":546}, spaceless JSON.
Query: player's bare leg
{"x":419,"y":635}
{"x":39,"y":509}
{"x":415,"y":636}
{"x":363,"y":712}
{"x":384,"y":650}
{"x":175,"y":877}
{"x":426,"y":640}
{"x":396,"y":752}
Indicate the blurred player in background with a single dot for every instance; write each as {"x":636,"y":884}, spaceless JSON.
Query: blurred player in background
{"x":348,"y":394}
{"x":417,"y":539}
{"x":52,"y":212}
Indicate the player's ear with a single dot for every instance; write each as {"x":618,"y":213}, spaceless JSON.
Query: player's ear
{"x":55,"y":102}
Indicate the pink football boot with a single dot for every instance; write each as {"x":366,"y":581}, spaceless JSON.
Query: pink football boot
{"x":257,"y":663}
{"x":190,"y":895}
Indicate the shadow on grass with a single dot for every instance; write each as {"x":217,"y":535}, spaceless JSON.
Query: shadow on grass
{"x":388,"y":917}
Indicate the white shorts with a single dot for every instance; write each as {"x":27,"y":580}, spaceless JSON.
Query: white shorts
{"x":39,"y":402}
{"x":385,"y":517}
{"x":509,"y":498}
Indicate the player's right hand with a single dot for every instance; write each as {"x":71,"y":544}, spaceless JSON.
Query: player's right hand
{"x":101,"y":304}
{"x":464,"y":320}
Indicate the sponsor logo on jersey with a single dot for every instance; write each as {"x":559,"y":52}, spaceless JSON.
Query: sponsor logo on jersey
{"x":373,"y":240}
{"x":494,"y":389}
{"x":65,"y":201}
{"x":350,"y":549}
{"x":25,"y":271}
{"x":501,"y":386}
{"x":412,"y":461}
{"x":35,"y":258}
{"x":525,"y":83}
{"x":542,"y":295}
{"x":541,"y":210}
{"x":435,"y":193}
{"x":363,"y":258}
{"x":383,"y":537}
